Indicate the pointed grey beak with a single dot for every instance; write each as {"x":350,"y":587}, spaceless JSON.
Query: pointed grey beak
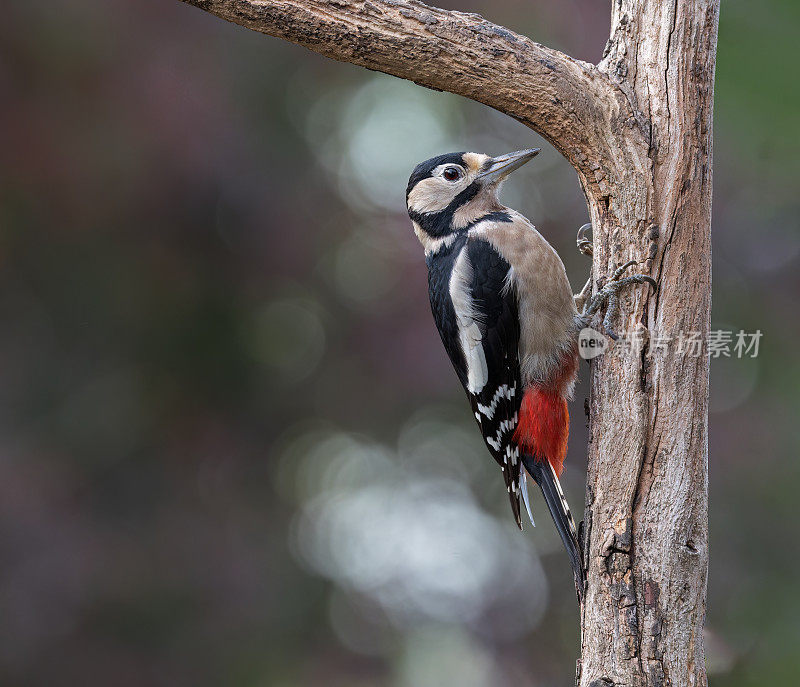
{"x":498,"y":168}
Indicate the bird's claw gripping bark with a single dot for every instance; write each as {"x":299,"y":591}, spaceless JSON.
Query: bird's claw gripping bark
{"x":585,"y":247}
{"x":584,"y":244}
{"x":609,"y":295}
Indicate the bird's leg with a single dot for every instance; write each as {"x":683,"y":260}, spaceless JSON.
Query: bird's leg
{"x":583,"y":296}
{"x":585,"y":247}
{"x":609,"y":295}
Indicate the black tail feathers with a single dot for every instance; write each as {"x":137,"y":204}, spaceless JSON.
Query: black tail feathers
{"x":545,"y":477}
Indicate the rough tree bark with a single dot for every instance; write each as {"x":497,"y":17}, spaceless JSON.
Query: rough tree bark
{"x":637,"y":128}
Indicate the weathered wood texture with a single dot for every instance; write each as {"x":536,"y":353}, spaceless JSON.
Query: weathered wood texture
{"x":637,"y":128}
{"x":647,"y":488}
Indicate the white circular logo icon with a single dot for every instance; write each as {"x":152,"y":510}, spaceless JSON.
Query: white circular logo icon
{"x":591,"y":343}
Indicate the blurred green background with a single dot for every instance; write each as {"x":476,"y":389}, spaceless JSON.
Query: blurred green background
{"x":232,"y":451}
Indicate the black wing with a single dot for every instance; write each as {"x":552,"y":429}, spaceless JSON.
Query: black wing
{"x":496,"y":405}
{"x":493,"y":309}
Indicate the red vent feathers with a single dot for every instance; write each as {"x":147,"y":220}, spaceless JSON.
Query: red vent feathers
{"x":543,"y":427}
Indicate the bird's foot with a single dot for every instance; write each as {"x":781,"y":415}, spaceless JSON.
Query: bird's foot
{"x":609,"y":295}
{"x":585,"y":247}
{"x":584,"y":244}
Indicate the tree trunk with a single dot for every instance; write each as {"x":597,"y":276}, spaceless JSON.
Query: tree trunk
{"x":637,"y":128}
{"x":647,"y":488}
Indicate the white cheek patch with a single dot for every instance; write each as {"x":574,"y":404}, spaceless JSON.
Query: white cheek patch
{"x":430,"y":195}
{"x":434,"y":194}
{"x":467,"y":317}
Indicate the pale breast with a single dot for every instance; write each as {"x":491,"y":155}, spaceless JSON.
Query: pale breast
{"x":546,"y":307}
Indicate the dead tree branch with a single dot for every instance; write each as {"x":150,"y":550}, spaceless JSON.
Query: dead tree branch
{"x":450,"y":51}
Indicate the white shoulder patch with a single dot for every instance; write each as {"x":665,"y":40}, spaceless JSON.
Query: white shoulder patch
{"x":467,"y":317}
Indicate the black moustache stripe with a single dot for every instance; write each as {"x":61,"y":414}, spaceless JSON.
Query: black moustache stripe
{"x":438,"y":224}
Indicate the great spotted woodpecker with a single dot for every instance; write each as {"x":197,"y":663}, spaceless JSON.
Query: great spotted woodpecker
{"x":508,"y":320}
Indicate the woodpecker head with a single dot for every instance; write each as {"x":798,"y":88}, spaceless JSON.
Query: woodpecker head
{"x":448,"y":193}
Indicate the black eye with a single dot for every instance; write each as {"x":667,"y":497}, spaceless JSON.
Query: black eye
{"x":452,"y":173}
